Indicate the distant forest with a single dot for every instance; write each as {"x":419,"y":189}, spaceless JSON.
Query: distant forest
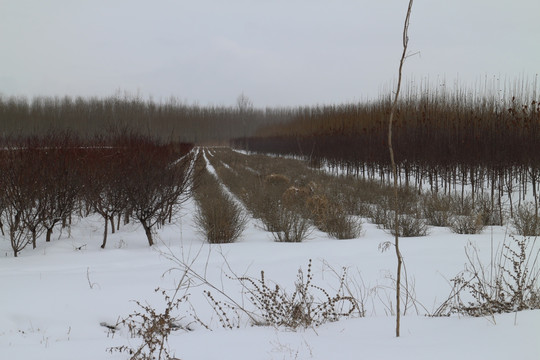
{"x":170,"y":121}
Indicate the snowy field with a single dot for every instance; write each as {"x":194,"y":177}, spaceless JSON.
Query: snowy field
{"x":55,"y":297}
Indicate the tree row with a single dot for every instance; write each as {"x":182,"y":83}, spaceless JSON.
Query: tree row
{"x":46,"y":181}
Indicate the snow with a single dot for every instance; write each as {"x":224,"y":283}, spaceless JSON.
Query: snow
{"x":55,"y":297}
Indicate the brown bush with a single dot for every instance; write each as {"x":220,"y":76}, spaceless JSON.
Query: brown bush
{"x":409,"y":225}
{"x":218,"y":217}
{"x":467,"y":224}
{"x":277,"y":180}
{"x":437,"y":209}
{"x":526,"y":221}
{"x":290,"y":226}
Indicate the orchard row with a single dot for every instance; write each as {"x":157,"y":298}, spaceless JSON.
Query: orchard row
{"x":46,"y":181}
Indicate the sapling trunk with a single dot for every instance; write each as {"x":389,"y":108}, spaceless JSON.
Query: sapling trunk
{"x":112,"y":223}
{"x":34,"y":237}
{"x":49,"y":233}
{"x":394,"y":170}
{"x":148,"y":231}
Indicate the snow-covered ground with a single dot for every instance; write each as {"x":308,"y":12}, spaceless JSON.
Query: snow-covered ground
{"x":54,"y":298}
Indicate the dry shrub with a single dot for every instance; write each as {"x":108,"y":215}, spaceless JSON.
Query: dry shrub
{"x":251,"y":189}
{"x":408,"y":225}
{"x":352,"y":203}
{"x":465,"y":219}
{"x":277,"y":180}
{"x":236,"y":180}
{"x":308,"y":305}
{"x":486,"y":208}
{"x":525,"y":220}
{"x":292,"y":188}
{"x":342,"y":226}
{"x":264,"y":201}
{"x":383,"y":204}
{"x":379,"y":214}
{"x":152,"y":327}
{"x":464,"y":206}
{"x":510,"y":284}
{"x":280,"y":208}
{"x":408,"y":201}
{"x":331,"y":218}
{"x":268,"y":209}
{"x":349,"y":192}
{"x":318,"y":207}
{"x":368,"y":191}
{"x":437,"y":209}
{"x":467,"y":224}
{"x":296,"y":197}
{"x":291,"y":226}
{"x":219,"y":218}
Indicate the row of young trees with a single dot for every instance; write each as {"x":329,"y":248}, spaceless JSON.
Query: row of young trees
{"x":448,"y":140}
{"x":50,"y":179}
{"x":431,"y":131}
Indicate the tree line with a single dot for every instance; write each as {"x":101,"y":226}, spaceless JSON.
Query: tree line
{"x":172,"y":120}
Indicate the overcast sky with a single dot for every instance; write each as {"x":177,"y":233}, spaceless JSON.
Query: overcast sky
{"x":277,"y":52}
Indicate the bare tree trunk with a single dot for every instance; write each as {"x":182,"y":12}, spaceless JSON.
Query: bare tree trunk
{"x":535,"y":195}
{"x":13,"y":245}
{"x":34,"y":237}
{"x":394,"y":170}
{"x":509,"y":189}
{"x":112,"y":223}
{"x":148,"y":232}
{"x":473,"y":195}
{"x":127,"y":214}
{"x":105,"y":232}
{"x":49,"y":233}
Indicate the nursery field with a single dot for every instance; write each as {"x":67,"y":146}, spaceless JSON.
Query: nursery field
{"x":263,"y":257}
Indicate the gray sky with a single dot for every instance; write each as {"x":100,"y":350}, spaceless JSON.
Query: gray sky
{"x":278,"y":52}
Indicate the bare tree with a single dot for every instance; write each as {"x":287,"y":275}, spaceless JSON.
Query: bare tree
{"x":156,"y":185}
{"x":18,"y":198}
{"x":244,"y":103}
{"x":394,"y":168}
{"x":62,"y":186}
{"x":106,"y":172}
{"x":245,"y":106}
